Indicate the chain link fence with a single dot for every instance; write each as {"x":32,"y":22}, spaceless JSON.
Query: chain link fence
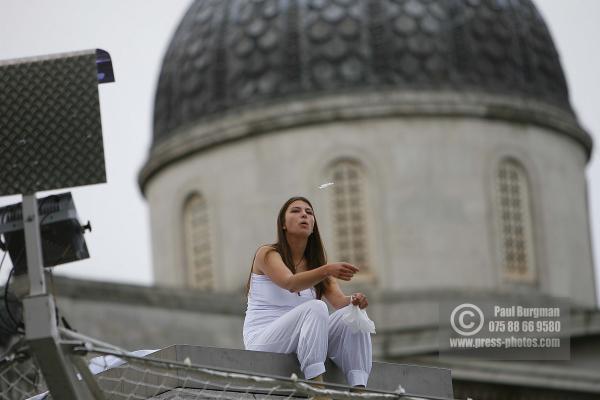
{"x":112,"y":374}
{"x":20,"y":377}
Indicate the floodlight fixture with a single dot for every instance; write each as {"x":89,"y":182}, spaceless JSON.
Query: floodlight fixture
{"x":61,"y":232}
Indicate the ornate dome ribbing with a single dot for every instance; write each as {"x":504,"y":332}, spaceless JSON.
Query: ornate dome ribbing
{"x":230,"y":53}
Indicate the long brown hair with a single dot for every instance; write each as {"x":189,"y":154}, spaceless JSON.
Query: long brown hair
{"x":314,"y":251}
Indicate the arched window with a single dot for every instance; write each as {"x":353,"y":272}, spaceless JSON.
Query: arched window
{"x":198,"y":252}
{"x":349,"y":211}
{"x":515,"y":224}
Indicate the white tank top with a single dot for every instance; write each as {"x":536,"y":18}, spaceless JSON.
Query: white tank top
{"x":267,"y":302}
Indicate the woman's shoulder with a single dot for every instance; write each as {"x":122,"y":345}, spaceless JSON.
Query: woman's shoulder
{"x":261,"y":257}
{"x":266,"y":249}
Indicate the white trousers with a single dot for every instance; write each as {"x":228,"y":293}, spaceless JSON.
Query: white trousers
{"x":309,"y":331}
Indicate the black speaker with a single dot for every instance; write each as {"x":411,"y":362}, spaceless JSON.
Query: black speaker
{"x":50,"y":127}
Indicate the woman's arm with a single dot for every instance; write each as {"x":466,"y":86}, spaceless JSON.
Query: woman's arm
{"x":269,"y":262}
{"x":337,"y":298}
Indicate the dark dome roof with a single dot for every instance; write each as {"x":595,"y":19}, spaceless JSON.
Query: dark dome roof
{"x":229,"y":53}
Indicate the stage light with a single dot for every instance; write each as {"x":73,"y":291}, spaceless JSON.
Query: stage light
{"x":61,"y":232}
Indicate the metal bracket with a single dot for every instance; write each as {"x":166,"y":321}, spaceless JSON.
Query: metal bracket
{"x":41,"y":331}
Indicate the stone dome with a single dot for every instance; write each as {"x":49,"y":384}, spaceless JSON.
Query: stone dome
{"x":229,"y":54}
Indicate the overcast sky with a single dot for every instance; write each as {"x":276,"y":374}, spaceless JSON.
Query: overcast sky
{"x":136,"y":34}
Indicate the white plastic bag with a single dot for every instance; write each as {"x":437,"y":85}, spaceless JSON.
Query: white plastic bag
{"x":357,"y":319}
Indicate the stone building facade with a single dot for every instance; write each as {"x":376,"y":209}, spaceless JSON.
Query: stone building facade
{"x":446,"y":125}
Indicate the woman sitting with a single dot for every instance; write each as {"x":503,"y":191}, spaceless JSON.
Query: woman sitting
{"x":286,"y":314}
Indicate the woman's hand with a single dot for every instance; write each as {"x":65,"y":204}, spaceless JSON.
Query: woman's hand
{"x":360,"y":300}
{"x":341,"y":270}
